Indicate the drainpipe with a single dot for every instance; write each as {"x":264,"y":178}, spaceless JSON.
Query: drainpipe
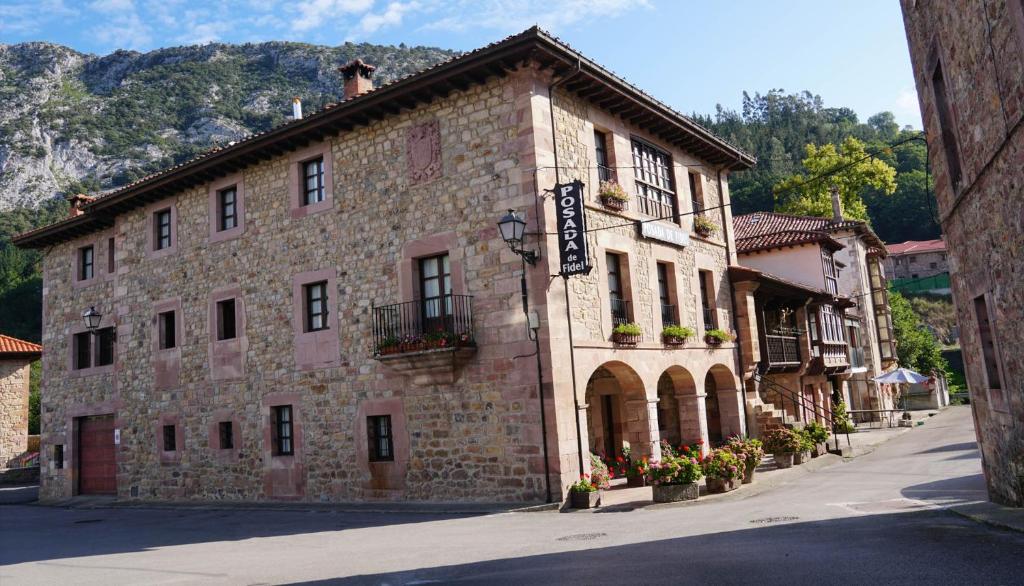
{"x":726,"y":231}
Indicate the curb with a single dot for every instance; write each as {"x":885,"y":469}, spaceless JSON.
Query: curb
{"x":374,"y":508}
{"x":987,"y":520}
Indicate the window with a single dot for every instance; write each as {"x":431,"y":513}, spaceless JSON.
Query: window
{"x":831,"y":325}
{"x":706,"y":300}
{"x":988,"y":346}
{"x":316,"y":306}
{"x":105,"y":347}
{"x":620,"y":313}
{"x":58,"y":455}
{"x":110,"y":256}
{"x":669,"y":315}
{"x":696,"y":193}
{"x":169,"y":438}
{"x":933,"y":265}
{"x":435,"y":291}
{"x":914,"y":276}
{"x":82,"y":347}
{"x":655,"y":192}
{"x":913,"y":259}
{"x":85,"y":263}
{"x":227,"y":212}
{"x":227,"y":435}
{"x":604,"y":172}
{"x":379,"y":444}
{"x":282,"y":430}
{"x":167,"y":333}
{"x":946,"y":125}
{"x":313,"y":181}
{"x":162,"y":228}
{"x":226,"y":319}
{"x":828,"y":263}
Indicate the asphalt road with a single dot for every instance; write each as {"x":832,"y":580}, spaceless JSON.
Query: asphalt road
{"x":879,"y":519}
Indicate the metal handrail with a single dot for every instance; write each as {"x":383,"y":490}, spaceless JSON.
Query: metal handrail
{"x":448,"y":317}
{"x":798,"y":400}
{"x":620,"y":311}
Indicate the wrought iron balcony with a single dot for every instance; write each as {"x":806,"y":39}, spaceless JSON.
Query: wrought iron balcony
{"x":783,"y":350}
{"x":444,"y":322}
{"x":668,"y":315}
{"x":709,"y":319}
{"x":620,"y":311}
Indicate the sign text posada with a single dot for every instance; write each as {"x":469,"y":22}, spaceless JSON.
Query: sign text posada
{"x":572,"y":228}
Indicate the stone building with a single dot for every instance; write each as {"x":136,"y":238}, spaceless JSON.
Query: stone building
{"x":968,"y":59}
{"x":916,"y":259}
{"x":327,"y":311}
{"x":15,"y":357}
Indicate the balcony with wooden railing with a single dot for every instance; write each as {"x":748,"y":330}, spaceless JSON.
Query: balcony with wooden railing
{"x":782,"y":352}
{"x":829,"y":357}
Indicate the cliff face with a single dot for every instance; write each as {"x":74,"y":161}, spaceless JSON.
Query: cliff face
{"x":75,"y":122}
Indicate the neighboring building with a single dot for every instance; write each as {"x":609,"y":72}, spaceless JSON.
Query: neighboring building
{"x":15,"y":358}
{"x":836,"y":265}
{"x":968,"y":60}
{"x":916,"y":259}
{"x":327,"y":312}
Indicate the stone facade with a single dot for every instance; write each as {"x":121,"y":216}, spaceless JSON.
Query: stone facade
{"x":14,"y":378}
{"x":466,"y":425}
{"x":914,"y":262}
{"x":968,"y":59}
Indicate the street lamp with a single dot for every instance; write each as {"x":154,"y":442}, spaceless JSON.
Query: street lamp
{"x":513,"y":228}
{"x":92,"y":318}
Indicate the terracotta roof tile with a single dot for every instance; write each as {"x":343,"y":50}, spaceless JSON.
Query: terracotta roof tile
{"x":914,"y":246}
{"x":765,"y":230}
{"x":9,"y":345}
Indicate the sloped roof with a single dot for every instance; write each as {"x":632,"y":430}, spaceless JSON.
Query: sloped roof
{"x":10,"y":347}
{"x":580,"y":75}
{"x":916,"y":246}
{"x":767,"y":230}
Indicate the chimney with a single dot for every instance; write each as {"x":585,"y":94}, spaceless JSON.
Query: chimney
{"x":837,"y":206}
{"x":77,"y":202}
{"x":357,"y":78}
{"x":296,"y":108}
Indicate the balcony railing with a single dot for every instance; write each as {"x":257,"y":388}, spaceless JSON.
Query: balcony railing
{"x":668,"y":315}
{"x":423,"y":324}
{"x":783,"y":350}
{"x":709,"y":319}
{"x":620,"y":311}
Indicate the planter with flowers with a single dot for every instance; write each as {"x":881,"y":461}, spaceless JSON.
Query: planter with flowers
{"x":600,"y":474}
{"x":675,"y":335}
{"x":674,"y":478}
{"x":782,"y":443}
{"x":803,"y":455}
{"x":717,"y":337}
{"x":703,"y":226}
{"x":612,"y":195}
{"x":724,"y":470}
{"x":818,"y":434}
{"x":584,"y":494}
{"x":626,"y":334}
{"x":750,"y":452}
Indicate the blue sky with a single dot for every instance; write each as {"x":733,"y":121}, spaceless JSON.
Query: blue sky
{"x":690,"y":54}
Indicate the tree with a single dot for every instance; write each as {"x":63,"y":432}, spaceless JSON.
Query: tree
{"x":916,"y":346}
{"x":856,"y":173}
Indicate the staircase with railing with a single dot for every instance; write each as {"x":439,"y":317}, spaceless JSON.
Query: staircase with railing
{"x":769,"y":415}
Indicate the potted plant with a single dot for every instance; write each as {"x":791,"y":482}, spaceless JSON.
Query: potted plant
{"x":600,"y":475}
{"x":674,"y":478}
{"x":803,"y":455}
{"x":716,"y":337}
{"x":703,"y":226}
{"x":584,"y":494}
{"x":675,"y":335}
{"x":750,"y":452}
{"x":612,"y":195}
{"x":389,"y":345}
{"x":626,"y":334}
{"x":782,"y":443}
{"x":636,"y":473}
{"x":818,"y":435}
{"x":724,"y":469}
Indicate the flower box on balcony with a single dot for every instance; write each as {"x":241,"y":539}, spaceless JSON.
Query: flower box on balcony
{"x":626,"y":334}
{"x":716,"y":337}
{"x":612,"y":195}
{"x":703,"y":226}
{"x":675,"y":335}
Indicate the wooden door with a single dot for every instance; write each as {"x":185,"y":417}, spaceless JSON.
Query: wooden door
{"x":97,"y":462}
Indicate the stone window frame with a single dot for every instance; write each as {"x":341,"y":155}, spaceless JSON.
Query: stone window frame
{"x":78,"y":327}
{"x":394,"y":470}
{"x":613,"y":243}
{"x":214,"y":190}
{"x":710,"y":281}
{"x":425,"y":247}
{"x":168,"y":457}
{"x":151,"y":210}
{"x":321,"y":348}
{"x":295,"y":179}
{"x":667,"y":258}
{"x":100,"y":267}
{"x":227,"y":357}
{"x":937,"y":59}
{"x":167,"y":361}
{"x":996,"y":397}
{"x":225,"y":455}
{"x":283,"y":472}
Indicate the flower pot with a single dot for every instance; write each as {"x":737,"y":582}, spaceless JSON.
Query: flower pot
{"x":802,"y":457}
{"x":712,"y":341}
{"x":748,"y":475}
{"x":672,"y":493}
{"x":784,"y":460}
{"x":585,"y":500}
{"x":703,"y":232}
{"x":389,"y":350}
{"x":720,"y":485}
{"x":636,"y":481}
{"x":673,"y":340}
{"x":820,"y":449}
{"x":626,"y":339}
{"x":613,"y":203}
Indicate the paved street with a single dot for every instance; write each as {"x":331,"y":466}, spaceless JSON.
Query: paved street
{"x":878,"y":519}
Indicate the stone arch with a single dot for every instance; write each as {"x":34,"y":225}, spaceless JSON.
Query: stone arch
{"x":681,"y":418}
{"x":722,"y":402}
{"x":619,"y":412}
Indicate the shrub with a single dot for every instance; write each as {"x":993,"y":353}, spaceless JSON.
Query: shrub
{"x":677,"y":332}
{"x":613,"y":190}
{"x":720,"y":335}
{"x":781,"y":440}
{"x":724,"y":464}
{"x":817,"y":432}
{"x":600,"y":475}
{"x":630,"y":329}
{"x":675,"y":470}
{"x":806,"y":443}
{"x":584,"y":484}
{"x":751,"y":451}
{"x":841,"y":419}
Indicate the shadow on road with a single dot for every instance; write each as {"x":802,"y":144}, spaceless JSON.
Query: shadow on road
{"x":958,"y":490}
{"x":963,"y":446}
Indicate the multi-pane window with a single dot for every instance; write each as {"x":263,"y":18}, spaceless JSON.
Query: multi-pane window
{"x":167,"y":332}
{"x":313,"y":181}
{"x":82,"y":348}
{"x":226,"y":319}
{"x":620,"y":313}
{"x":604,"y":171}
{"x":227,"y":208}
{"x":105,"y":347}
{"x":379,"y":443}
{"x":831,"y":325}
{"x":85,"y":263}
{"x":435,"y":291}
{"x":316,"y":306}
{"x":162,"y":229}
{"x":828,"y":264}
{"x":282,"y":430}
{"x":946,"y":125}
{"x":706,"y":302}
{"x":669,"y":315}
{"x":696,"y":193}
{"x":988,"y":345}
{"x":170,"y":437}
{"x":227,"y":435}
{"x":654,"y":188}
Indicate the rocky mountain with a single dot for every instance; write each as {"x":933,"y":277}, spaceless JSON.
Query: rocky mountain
{"x":76,"y":122}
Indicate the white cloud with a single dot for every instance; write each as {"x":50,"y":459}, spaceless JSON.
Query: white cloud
{"x":124,"y":31}
{"x":112,"y":5}
{"x":513,"y":15}
{"x":316,"y":13}
{"x":391,"y":16}
{"x":31,"y":16}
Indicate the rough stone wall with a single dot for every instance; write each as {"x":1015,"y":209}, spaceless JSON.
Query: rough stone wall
{"x":981,"y":47}
{"x":14,"y":377}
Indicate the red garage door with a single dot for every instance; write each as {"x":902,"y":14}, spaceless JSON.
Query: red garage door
{"x":97,"y":468}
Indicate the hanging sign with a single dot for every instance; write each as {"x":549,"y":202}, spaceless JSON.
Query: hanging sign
{"x":572,"y":230}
